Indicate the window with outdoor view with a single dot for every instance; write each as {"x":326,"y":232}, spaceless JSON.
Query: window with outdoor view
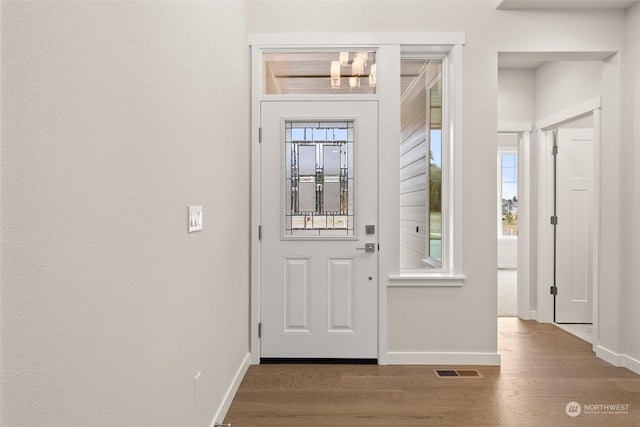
{"x":421,"y":155}
{"x":508,"y":199}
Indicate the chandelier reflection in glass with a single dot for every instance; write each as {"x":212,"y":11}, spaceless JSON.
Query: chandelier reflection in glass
{"x":358,"y":62}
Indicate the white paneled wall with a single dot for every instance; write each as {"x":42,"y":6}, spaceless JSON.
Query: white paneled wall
{"x":414,"y":158}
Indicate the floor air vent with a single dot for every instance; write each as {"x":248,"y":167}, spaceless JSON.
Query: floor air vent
{"x":457,"y":373}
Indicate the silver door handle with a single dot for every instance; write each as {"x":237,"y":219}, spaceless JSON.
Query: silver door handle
{"x":368,"y":247}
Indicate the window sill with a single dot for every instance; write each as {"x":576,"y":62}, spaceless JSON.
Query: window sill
{"x":426,"y":280}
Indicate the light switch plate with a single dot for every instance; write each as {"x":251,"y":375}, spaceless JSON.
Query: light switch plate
{"x":195,"y":218}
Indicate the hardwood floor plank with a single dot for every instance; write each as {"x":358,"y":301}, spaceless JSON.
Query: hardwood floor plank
{"x":543,"y":369}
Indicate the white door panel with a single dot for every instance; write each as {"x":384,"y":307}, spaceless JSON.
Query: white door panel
{"x":318,"y":290}
{"x":574,"y":261}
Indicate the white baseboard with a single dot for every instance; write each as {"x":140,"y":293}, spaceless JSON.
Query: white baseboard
{"x":428,"y":358}
{"x":619,"y":360}
{"x":531,"y":315}
{"x":231,"y":391}
{"x":535,"y":316}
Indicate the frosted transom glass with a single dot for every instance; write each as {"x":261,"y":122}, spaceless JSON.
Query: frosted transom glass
{"x":318,"y":175}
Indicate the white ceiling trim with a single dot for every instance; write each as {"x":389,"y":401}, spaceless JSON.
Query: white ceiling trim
{"x":355,"y":39}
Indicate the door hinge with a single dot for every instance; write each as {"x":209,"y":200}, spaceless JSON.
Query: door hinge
{"x":554,"y":150}
{"x":553,"y":290}
{"x":260,"y":135}
{"x":554,"y":220}
{"x":260,"y":330}
{"x":259,"y":232}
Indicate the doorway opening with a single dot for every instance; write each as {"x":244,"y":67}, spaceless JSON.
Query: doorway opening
{"x":557,"y":91}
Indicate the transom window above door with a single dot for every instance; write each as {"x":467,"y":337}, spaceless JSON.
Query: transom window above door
{"x":317,"y":73}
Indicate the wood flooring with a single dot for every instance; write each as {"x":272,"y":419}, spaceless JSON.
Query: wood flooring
{"x":543,"y":369}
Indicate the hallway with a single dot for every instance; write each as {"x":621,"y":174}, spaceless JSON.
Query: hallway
{"x":543,"y":369}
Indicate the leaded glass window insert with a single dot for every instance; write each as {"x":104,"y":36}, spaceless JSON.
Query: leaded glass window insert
{"x":319,"y":178}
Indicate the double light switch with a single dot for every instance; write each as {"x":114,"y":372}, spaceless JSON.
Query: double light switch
{"x":195,"y":218}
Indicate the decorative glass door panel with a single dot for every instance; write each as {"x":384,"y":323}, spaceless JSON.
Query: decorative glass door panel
{"x":318,"y":187}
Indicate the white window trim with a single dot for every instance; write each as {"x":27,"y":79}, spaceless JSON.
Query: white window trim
{"x":450,"y":274}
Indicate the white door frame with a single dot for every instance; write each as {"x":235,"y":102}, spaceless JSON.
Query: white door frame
{"x":545,"y":205}
{"x":278,"y":41}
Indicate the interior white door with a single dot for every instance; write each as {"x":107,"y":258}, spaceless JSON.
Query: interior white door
{"x":574,"y":257}
{"x":319,"y":287}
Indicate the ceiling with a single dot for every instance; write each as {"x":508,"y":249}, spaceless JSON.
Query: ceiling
{"x":565,"y":4}
{"x":532,"y":60}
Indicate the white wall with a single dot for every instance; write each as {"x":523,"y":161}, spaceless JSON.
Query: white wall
{"x":516,"y":95}
{"x":564,"y":84}
{"x":116,"y":116}
{"x":630,"y":297}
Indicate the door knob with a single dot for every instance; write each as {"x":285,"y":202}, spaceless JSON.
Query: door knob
{"x":368,"y":247}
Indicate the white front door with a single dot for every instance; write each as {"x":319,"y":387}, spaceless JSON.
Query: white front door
{"x":319,"y":203}
{"x":574,"y":258}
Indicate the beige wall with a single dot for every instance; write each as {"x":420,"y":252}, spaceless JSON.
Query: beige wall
{"x":116,"y":117}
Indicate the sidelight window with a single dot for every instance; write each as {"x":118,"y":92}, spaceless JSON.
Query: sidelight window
{"x":421,"y":163}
